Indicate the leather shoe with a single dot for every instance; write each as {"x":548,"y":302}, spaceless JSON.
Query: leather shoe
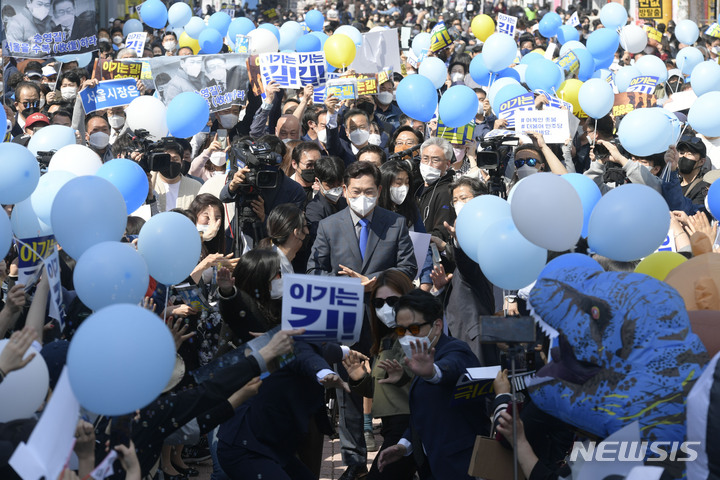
{"x":354,"y":472}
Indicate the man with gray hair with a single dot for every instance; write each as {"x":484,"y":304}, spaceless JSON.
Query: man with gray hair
{"x":434,"y":197}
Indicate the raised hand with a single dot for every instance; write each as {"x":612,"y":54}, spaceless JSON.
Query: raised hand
{"x":354,"y":363}
{"x":422,"y":361}
{"x":333,"y":380}
{"x":11,"y":357}
{"x":393,"y":369}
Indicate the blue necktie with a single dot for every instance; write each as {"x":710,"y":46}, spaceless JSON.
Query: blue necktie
{"x":364,"y":222}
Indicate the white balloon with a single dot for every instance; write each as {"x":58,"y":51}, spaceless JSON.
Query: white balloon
{"x":633,"y":38}
{"x":351,"y":32}
{"x":262,"y":41}
{"x":571,"y":45}
{"x":435,"y":70}
{"x":147,"y":113}
{"x":547,"y":211}
{"x":23,"y":391}
{"x":25,"y":222}
{"x":497,"y":85}
{"x":52,"y":137}
{"x":77,"y":159}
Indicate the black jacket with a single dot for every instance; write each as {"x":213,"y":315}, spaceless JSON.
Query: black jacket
{"x":435,"y":204}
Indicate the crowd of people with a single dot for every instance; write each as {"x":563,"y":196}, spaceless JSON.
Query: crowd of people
{"x":352,"y":179}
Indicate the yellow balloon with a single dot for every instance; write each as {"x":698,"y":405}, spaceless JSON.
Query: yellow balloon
{"x":186,"y":41}
{"x":339,"y":50}
{"x":482,"y":27}
{"x":569,"y":91}
{"x":659,"y":264}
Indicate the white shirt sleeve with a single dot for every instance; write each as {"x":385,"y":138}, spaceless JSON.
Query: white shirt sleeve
{"x":408,"y":446}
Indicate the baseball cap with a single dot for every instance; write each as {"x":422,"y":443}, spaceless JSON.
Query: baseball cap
{"x":33,"y":74}
{"x":35,"y":118}
{"x":693,"y":144}
{"x":48,"y":71}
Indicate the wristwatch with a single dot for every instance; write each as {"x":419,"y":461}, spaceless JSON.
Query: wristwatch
{"x":511,"y":299}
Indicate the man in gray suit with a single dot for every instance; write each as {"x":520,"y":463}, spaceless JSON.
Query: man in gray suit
{"x":360,"y":241}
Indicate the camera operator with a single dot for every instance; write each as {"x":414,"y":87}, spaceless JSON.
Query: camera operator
{"x":172,"y":188}
{"x":254,"y":200}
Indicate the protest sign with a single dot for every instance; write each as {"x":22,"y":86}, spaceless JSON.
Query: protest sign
{"x":270,"y":13}
{"x":108,"y":94}
{"x":369,"y":83}
{"x":643,"y":84}
{"x":192,"y":296}
{"x":653,"y":33}
{"x":405,"y":34}
{"x":508,"y":109}
{"x":242,"y":43}
{"x":328,"y":308}
{"x":555,"y":102}
{"x":415,"y":61}
{"x":229,"y":11}
{"x":574,"y":20}
{"x":320,"y":92}
{"x":379,"y":51}
{"x":713,"y":30}
{"x":552,"y":123}
{"x":136,"y":41}
{"x":569,"y":62}
{"x":506,"y":24}
{"x":293,"y":70}
{"x":680,"y":101}
{"x":668,"y":244}
{"x":626,"y":102}
{"x":33,"y":254}
{"x":650,"y":9}
{"x":439,"y":37}
{"x":478,"y":382}
{"x":112,"y":69}
{"x":221,"y":79}
{"x":457,"y":135}
{"x":68,"y":27}
{"x":343,"y":88}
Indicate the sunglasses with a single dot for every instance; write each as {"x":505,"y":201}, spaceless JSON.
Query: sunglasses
{"x":379,"y":302}
{"x":530,"y":162}
{"x":414,"y":329}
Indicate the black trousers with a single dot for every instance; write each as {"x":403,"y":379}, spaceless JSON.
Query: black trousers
{"x":393,"y":427}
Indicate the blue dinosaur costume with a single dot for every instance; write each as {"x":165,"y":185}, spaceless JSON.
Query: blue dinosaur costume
{"x":626,"y":352}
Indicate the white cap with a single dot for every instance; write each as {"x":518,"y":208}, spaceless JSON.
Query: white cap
{"x":48,"y":71}
{"x":675,"y":72}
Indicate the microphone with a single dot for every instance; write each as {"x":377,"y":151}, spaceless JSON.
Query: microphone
{"x":409,"y":151}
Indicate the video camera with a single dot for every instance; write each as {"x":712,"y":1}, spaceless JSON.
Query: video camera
{"x":493,"y":154}
{"x":43,"y":158}
{"x":262,"y":161}
{"x":155,"y":158}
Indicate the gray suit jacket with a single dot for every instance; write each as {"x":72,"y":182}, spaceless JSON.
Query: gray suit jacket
{"x":389,"y":245}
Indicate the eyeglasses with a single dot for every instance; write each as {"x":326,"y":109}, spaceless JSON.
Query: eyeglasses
{"x":31,"y":104}
{"x":530,"y":162}
{"x":414,"y":329}
{"x":379,"y":302}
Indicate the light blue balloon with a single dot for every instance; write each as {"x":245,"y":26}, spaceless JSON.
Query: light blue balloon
{"x":640,"y":130}
{"x":3,"y":117}
{"x":19,"y":173}
{"x":506,"y":93}
{"x":417,"y":98}
{"x":570,"y":45}
{"x":154,"y":13}
{"x":434,"y":69}
{"x":596,"y":98}
{"x":315,"y":20}
{"x":479,"y":71}
{"x":603,"y":43}
{"x":169,"y":262}
{"x":194,"y":27}
{"x":458,"y":106}
{"x":604,"y":62}
{"x":625,"y":75}
{"x":557,"y":265}
{"x":44,"y":195}
{"x":676,"y":127}
{"x":220,"y":21}
{"x":703,"y":115}
{"x":545,"y":75}
{"x":587,"y":64}
{"x":129,"y":178}
{"x":421,"y":42}
{"x":210,"y":41}
{"x":705,"y":78}
{"x":507,"y":258}
{"x":602,"y":73}
{"x":688,"y":58}
{"x":474,"y":219}
{"x":25,"y":223}
{"x":531,"y":57}
{"x":308,"y":43}
{"x":509,"y":72}
{"x":713,"y":200}
{"x":187,"y":114}
{"x":567,"y":33}
{"x":179,"y":14}
{"x":498,"y":85}
{"x":52,"y":137}
{"x":520,"y":70}
{"x":629,"y":222}
{"x":124,"y":276}
{"x":82,"y":59}
{"x":323,"y":38}
{"x":499,"y":51}
{"x":5,"y":235}
{"x":589,"y":194}
{"x":106,"y":379}
{"x":132,"y":26}
{"x":240,"y":26}
{"x":272,"y":28}
{"x":549,"y":24}
{"x":351,"y":32}
{"x":652,"y":66}
{"x":613,"y":15}
{"x":290,"y":32}
{"x":87,"y":210}
{"x":687,"y":31}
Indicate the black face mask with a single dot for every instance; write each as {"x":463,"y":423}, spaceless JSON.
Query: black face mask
{"x":171,"y":171}
{"x":308,"y":175}
{"x":686,"y":165}
{"x":367,"y":107}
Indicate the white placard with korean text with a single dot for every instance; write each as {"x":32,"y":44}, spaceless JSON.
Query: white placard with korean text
{"x":552,"y":123}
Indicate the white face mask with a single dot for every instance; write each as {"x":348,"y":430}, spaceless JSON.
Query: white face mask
{"x":228,"y":120}
{"x":322,"y":135}
{"x":458,"y":206}
{"x":39,"y":12}
{"x":116,"y":121}
{"x":459,"y":153}
{"x":386,"y":315}
{"x":169,"y":46}
{"x":406,"y":340}
{"x":218,"y":158}
{"x":359,"y":137}
{"x":481,"y":108}
{"x":374,"y":139}
{"x":202,"y":228}
{"x":68,"y":93}
{"x":276,"y":288}
{"x":429,"y":174}
{"x":385,"y":97}
{"x":333,"y":194}
{"x":362,"y":205}
{"x":193,"y":69}
{"x":117,"y":39}
{"x":99,"y":140}
{"x":398,"y":194}
{"x":526,"y":171}
{"x":457,"y":77}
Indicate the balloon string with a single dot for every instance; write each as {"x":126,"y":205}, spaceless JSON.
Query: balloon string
{"x":594,"y":135}
{"x":167,"y":299}
{"x":681,"y":134}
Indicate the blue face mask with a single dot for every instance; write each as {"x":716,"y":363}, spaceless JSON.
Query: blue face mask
{"x":525,"y":51}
